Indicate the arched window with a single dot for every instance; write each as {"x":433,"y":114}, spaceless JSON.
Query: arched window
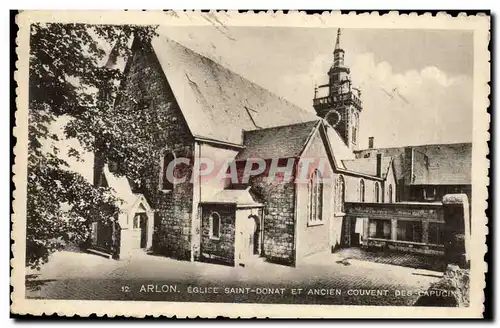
{"x":166,"y":182}
{"x":316,"y":197}
{"x":361,"y":190}
{"x":377,"y":193}
{"x":355,"y":127}
{"x":340,"y":195}
{"x":390,"y":193}
{"x":215,"y":225}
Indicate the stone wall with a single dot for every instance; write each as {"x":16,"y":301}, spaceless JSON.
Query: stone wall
{"x":164,"y":128}
{"x":278,"y":199}
{"x":433,"y":212}
{"x":222,"y":248}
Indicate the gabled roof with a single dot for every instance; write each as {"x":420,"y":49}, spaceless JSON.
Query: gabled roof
{"x":240,"y":197}
{"x":439,"y":164}
{"x":218,"y":103}
{"x":442,"y":164}
{"x":278,"y":142}
{"x":368,"y":165}
{"x":339,"y":148}
{"x":121,"y":188}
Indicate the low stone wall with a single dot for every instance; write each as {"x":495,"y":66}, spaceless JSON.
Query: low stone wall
{"x":437,"y":250}
{"x":423,"y":214}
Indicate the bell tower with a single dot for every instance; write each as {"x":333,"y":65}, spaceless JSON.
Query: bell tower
{"x":337,"y":101}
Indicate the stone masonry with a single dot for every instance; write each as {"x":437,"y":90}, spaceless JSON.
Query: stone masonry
{"x":222,"y":248}
{"x":279,"y":217}
{"x":163,"y":123}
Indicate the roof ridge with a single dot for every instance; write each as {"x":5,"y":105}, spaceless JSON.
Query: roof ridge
{"x":424,"y":145}
{"x":281,"y":126}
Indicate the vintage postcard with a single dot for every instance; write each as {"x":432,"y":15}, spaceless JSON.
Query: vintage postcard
{"x":251,"y":164}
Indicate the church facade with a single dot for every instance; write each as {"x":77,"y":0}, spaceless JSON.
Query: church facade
{"x":292,"y":206}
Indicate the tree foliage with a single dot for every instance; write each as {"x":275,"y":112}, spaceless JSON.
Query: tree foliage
{"x":68,"y":77}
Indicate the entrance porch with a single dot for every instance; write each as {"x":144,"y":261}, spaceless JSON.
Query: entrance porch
{"x":231,"y":228}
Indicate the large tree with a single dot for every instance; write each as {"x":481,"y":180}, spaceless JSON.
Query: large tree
{"x":67,"y":77}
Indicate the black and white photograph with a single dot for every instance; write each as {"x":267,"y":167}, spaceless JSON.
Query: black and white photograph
{"x":202,"y":158}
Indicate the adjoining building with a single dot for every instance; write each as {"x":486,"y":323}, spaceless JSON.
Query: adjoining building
{"x":426,"y":173}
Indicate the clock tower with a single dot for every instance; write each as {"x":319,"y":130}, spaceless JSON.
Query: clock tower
{"x":337,"y":101}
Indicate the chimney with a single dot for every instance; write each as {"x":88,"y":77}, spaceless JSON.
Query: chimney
{"x":370,"y":142}
{"x":379,"y":165}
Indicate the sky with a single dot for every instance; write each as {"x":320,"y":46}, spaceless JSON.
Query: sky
{"x":416,"y":84}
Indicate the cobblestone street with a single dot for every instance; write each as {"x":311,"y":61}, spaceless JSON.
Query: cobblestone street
{"x":411,"y":260}
{"x":333,"y":280}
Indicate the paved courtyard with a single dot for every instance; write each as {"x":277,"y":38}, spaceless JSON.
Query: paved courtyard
{"x":324,"y":279}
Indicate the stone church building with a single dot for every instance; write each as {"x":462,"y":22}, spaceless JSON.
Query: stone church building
{"x":211,"y":112}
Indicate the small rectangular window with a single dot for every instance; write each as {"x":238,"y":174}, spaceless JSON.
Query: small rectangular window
{"x":167,"y":179}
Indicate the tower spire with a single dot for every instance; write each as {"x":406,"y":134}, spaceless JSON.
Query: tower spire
{"x":337,"y":44}
{"x":342,"y":104}
{"x":338,"y":53}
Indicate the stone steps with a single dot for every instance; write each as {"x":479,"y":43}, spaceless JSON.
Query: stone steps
{"x":98,"y":252}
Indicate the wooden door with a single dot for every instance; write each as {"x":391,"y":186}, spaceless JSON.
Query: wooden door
{"x":144,"y":230}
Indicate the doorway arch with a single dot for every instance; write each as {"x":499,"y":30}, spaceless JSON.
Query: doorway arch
{"x":254,"y":227}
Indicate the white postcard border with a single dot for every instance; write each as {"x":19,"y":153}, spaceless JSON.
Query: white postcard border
{"x":480,"y":24}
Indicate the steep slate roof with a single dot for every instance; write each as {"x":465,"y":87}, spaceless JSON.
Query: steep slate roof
{"x":440,"y":164}
{"x":368,"y":165}
{"x":340,"y":149}
{"x":121,"y":189}
{"x":218,"y":103}
{"x":277,"y":142}
{"x":445,"y":164}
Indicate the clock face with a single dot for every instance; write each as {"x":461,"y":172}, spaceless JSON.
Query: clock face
{"x":333,"y":118}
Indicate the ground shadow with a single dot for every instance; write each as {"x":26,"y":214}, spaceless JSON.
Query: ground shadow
{"x":75,"y":249}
